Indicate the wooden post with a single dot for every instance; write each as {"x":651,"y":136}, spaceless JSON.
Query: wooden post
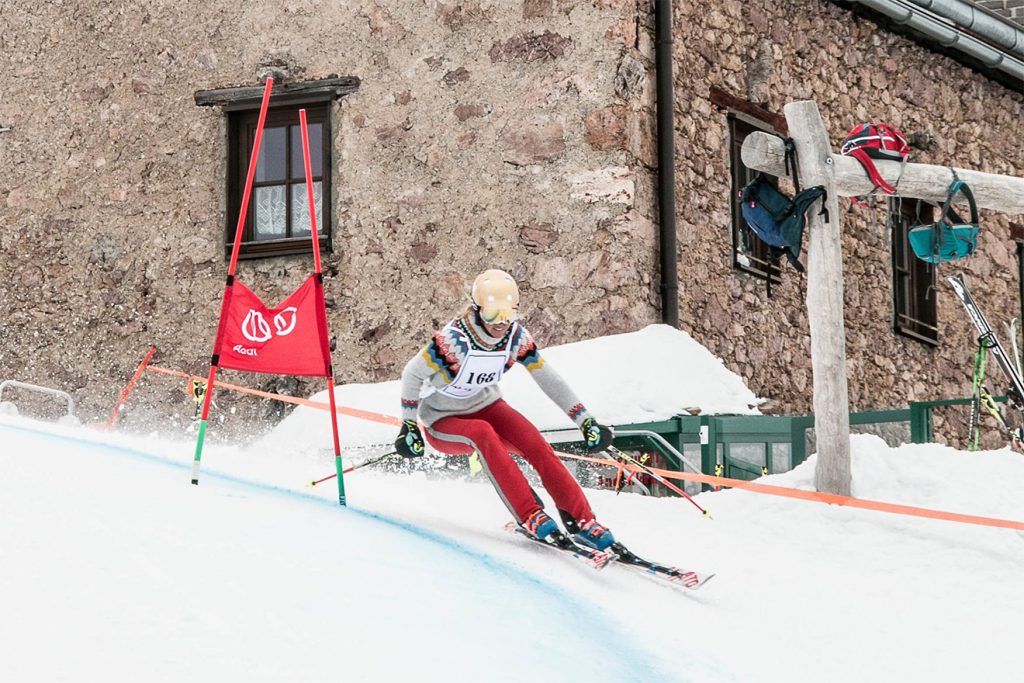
{"x":844,"y":177}
{"x":824,"y":301}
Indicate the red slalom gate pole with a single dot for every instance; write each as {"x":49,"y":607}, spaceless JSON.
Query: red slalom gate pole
{"x":325,"y":345}
{"x":229,"y":285}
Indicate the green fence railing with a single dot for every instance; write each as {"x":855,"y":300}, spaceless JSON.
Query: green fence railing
{"x":921,"y":416}
{"x":749,"y":446}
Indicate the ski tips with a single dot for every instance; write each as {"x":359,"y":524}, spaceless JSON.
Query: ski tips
{"x":705,"y":580}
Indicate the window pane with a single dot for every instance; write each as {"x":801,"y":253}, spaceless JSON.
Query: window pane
{"x":754,"y":453}
{"x":913,"y":299}
{"x":269,"y":212}
{"x":278,"y":223}
{"x":300,"y":209}
{"x":316,"y":151}
{"x":782,"y":457}
{"x":750,"y":253}
{"x":271,"y":162}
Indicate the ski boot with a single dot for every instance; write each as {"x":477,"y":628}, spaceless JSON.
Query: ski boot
{"x":593,"y":535}
{"x":540,"y":525}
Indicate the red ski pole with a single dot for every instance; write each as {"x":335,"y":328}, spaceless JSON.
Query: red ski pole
{"x":657,"y":477}
{"x":372,"y":461}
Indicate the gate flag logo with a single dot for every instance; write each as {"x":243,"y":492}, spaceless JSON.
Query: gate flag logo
{"x":283,"y":341}
{"x":255,"y":328}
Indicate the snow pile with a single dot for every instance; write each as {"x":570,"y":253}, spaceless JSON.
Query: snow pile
{"x":648,"y":375}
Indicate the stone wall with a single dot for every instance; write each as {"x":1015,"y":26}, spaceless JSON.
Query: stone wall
{"x":484,"y":134}
{"x":775,"y":53}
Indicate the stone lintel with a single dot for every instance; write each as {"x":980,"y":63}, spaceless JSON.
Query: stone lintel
{"x":325,"y":89}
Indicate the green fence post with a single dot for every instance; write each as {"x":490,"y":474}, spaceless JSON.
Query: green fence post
{"x":707,"y":449}
{"x":798,"y":436}
{"x":920,"y":422}
{"x":678,"y":441}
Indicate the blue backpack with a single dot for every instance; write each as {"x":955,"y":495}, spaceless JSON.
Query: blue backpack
{"x":778,"y":220}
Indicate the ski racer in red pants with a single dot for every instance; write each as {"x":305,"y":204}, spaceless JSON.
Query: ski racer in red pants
{"x":452,"y":386}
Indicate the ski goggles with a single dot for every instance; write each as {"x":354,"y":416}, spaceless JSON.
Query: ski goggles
{"x":505,"y":315}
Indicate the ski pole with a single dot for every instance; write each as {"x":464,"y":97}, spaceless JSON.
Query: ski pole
{"x":366,"y":463}
{"x":657,"y":477}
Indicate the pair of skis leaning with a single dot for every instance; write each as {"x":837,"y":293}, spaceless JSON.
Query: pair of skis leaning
{"x":990,"y":343}
{"x":616,"y":554}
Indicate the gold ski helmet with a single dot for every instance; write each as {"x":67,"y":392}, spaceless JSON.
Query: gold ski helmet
{"x":496,"y":297}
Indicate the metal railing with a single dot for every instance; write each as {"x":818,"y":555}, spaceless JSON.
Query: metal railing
{"x":63,"y":395}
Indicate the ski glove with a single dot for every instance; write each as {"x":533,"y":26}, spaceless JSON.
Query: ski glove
{"x":409,"y":443}
{"x":598,"y":437}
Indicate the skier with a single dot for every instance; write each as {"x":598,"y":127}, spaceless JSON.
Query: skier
{"x":452,"y":385}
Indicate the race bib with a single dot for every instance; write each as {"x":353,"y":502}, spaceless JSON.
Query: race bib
{"x":481,"y":370}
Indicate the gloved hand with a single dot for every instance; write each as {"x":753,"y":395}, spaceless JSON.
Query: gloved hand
{"x":598,"y":437}
{"x":409,"y":443}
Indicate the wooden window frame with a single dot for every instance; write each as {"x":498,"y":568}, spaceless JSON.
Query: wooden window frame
{"x":1017,"y":235}
{"x":914,"y":305}
{"x":749,"y":253}
{"x":242,"y":119}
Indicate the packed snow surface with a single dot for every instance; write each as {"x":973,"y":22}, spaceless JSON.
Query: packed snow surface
{"x":115,"y":568}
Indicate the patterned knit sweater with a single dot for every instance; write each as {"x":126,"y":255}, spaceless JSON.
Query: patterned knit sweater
{"x":439,"y":363}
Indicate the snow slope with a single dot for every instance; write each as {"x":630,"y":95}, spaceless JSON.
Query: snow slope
{"x":114,"y":568}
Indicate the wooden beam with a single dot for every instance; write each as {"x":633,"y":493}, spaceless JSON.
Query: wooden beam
{"x":764,"y":152}
{"x":328,"y":88}
{"x":824,"y":301}
{"x":725,"y":100}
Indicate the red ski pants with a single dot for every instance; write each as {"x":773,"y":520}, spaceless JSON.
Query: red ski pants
{"x":493,"y":432}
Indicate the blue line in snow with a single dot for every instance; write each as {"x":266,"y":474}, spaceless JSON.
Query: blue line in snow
{"x":595,"y":620}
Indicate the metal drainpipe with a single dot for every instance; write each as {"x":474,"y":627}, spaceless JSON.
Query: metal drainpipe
{"x":666,"y":164}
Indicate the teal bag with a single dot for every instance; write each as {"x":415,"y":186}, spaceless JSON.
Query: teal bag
{"x":950,"y":238}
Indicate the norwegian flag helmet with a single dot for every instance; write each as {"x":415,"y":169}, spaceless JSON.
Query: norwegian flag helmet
{"x":876,"y":141}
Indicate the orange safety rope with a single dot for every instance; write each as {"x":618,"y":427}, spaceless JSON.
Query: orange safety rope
{"x":814,"y":496}
{"x":798,"y":494}
{"x":352,"y":412}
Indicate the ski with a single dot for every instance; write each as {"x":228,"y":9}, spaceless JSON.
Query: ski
{"x":563,"y":544}
{"x":680,"y":578}
{"x":1015,"y":393}
{"x":618,"y":554}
